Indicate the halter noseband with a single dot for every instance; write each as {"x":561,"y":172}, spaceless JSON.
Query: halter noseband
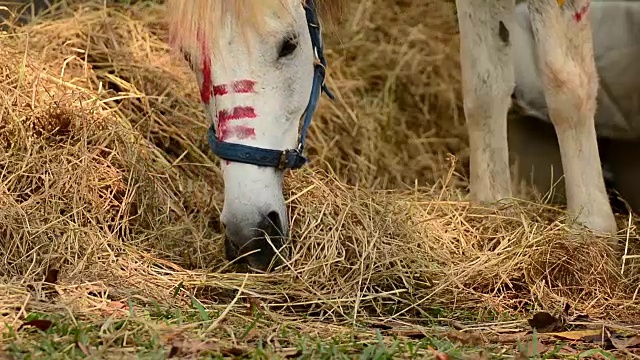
{"x":291,"y":158}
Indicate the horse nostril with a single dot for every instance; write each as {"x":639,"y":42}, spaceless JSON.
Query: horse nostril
{"x":257,"y":243}
{"x":276,"y":224}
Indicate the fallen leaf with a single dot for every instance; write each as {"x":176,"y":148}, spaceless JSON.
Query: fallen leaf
{"x":568,"y":350}
{"x":116,"y":305}
{"x":114,"y":308}
{"x":545,"y":322}
{"x":599,"y":338}
{"x":43,"y":325}
{"x":578,"y":335}
{"x":626,"y":343}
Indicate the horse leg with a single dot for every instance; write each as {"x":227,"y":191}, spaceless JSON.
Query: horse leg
{"x":487,"y":83}
{"x":565,"y":50}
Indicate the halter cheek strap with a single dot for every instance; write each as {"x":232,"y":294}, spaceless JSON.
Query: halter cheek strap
{"x":291,"y":158}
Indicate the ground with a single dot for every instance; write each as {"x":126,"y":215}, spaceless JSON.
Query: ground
{"x":109,"y":199}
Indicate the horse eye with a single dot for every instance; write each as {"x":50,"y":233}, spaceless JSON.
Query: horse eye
{"x":288,"y":46}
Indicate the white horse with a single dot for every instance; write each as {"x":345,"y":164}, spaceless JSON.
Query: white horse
{"x":257,"y":62}
{"x":616,"y":25}
{"x":260,"y":68}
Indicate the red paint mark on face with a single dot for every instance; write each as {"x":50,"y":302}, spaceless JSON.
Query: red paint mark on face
{"x":239,"y":132}
{"x":205,"y":90}
{"x":238,"y":112}
{"x":243,"y":132}
{"x":580,"y":14}
{"x":240,"y":87}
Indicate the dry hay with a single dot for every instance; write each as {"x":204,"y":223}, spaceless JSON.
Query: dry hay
{"x":107,"y":177}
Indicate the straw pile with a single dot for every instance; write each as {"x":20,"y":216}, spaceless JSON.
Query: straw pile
{"x":107,"y":178}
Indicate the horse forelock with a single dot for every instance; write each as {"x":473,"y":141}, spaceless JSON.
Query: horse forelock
{"x":195,"y":24}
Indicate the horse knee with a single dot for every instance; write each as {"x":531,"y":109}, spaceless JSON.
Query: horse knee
{"x":565,"y":55}
{"x":571,"y":90}
{"x":487,"y":108}
{"x":488,"y":82}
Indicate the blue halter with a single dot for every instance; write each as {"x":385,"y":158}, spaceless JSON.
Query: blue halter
{"x":291,"y":158}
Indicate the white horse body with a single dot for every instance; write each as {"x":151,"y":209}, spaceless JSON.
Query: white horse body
{"x":564,"y":54}
{"x":616,"y":27}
